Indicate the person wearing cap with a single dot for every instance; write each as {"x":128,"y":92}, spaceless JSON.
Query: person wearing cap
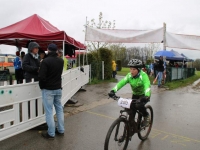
{"x":60,"y":54}
{"x":160,"y":69}
{"x":31,"y":62}
{"x":50,"y":73}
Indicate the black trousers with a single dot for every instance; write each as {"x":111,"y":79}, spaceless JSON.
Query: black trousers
{"x":141,"y":107}
{"x":19,"y":75}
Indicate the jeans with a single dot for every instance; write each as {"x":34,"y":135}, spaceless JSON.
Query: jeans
{"x":160,"y":76}
{"x":50,"y":98}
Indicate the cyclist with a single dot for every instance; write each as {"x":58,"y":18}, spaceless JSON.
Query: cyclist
{"x":140,"y":85}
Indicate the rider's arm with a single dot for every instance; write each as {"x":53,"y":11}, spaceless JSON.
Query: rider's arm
{"x":121,"y":83}
{"x":147,"y":85}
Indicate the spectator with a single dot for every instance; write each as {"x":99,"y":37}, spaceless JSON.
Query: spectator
{"x":72,"y":63}
{"x":171,"y":64}
{"x":18,"y":68}
{"x":50,"y":83}
{"x":164,"y":72}
{"x":31,"y":62}
{"x":143,"y":67}
{"x":185,"y":65}
{"x":42,"y":55}
{"x":151,"y":67}
{"x":114,"y":72}
{"x":176,"y":65}
{"x":155,"y":68}
{"x":22,"y":55}
{"x":60,"y":54}
{"x":160,"y":69}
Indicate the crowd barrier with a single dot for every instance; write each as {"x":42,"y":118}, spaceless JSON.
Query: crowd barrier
{"x":179,"y":73}
{"x":21,"y":105}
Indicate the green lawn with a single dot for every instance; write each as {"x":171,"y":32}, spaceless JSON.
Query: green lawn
{"x":123,"y":72}
{"x":171,"y":85}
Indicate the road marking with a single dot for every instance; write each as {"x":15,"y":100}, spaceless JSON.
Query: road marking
{"x":186,"y":139}
{"x":100,"y":115}
{"x":153,"y":136}
{"x":164,"y":137}
{"x":175,"y":135}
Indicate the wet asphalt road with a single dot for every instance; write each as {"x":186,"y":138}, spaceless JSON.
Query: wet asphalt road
{"x":176,"y":123}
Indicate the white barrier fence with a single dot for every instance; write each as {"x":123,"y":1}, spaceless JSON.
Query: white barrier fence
{"x":21,"y":105}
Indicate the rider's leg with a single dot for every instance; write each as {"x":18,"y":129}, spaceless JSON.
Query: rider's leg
{"x":143,"y":110}
{"x":145,"y":115}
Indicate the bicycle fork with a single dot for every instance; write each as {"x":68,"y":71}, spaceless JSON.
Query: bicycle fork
{"x":121,"y":138}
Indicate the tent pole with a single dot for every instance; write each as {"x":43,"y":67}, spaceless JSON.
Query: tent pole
{"x":83,"y":58}
{"x":85,"y":41}
{"x":86,"y":56}
{"x":79,"y":59}
{"x":63,"y":49}
{"x":164,"y":36}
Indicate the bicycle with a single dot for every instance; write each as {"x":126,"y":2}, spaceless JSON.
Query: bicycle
{"x":124,"y":127}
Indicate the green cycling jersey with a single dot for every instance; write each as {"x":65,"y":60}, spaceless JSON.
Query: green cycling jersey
{"x":139,"y":85}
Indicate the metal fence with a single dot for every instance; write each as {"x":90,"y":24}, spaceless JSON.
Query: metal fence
{"x":173,"y":73}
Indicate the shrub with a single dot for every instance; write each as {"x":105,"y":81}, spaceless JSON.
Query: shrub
{"x":106,"y":56}
{"x":95,"y":58}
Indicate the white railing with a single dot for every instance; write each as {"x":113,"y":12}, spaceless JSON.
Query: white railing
{"x":21,"y":105}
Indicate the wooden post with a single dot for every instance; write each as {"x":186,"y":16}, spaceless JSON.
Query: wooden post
{"x":164,"y":36}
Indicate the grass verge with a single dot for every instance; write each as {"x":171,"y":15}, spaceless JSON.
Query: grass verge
{"x":182,"y":83}
{"x":123,"y":72}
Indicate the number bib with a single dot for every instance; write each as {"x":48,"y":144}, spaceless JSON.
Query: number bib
{"x":125,"y":103}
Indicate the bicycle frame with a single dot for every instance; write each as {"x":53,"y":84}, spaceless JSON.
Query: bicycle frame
{"x":130,"y":119}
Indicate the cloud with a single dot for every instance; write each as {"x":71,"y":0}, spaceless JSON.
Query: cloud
{"x":180,"y":16}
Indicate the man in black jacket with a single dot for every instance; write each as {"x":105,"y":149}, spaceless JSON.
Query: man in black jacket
{"x":31,"y":63}
{"x":50,"y":83}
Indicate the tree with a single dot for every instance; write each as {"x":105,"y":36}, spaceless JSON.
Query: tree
{"x":101,"y":25}
{"x":197,"y":64}
{"x":118,"y":51}
{"x":153,"y":48}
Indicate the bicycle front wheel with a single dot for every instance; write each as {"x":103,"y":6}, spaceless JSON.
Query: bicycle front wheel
{"x":118,"y":135}
{"x":144,"y":131}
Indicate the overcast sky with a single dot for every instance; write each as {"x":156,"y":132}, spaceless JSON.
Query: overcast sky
{"x":181,"y":16}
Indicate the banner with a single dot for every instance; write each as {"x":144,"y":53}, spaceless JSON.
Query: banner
{"x":124,"y":36}
{"x":181,"y":41}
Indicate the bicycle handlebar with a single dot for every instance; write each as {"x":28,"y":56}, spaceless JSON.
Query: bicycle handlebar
{"x":134,"y":101}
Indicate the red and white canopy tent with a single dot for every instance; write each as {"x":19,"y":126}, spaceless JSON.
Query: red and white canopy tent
{"x":37,"y":29}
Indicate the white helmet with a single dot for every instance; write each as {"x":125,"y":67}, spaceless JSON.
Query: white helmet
{"x":135,"y":63}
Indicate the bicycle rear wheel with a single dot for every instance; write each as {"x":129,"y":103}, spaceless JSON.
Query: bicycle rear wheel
{"x":144,"y":131}
{"x":118,"y":135}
